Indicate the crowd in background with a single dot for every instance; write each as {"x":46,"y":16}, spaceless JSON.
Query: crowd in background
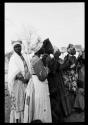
{"x":45,"y":88}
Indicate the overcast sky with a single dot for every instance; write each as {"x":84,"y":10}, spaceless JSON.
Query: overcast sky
{"x":63,"y":23}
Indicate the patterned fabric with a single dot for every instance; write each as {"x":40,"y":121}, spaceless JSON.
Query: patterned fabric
{"x":80,"y":100}
{"x":70,"y":75}
{"x":13,"y":102}
{"x":38,"y":68}
{"x":17,"y":102}
{"x":70,"y":80}
{"x":27,"y":74}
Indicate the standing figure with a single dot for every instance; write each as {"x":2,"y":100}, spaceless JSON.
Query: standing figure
{"x":37,"y":103}
{"x":70,"y":75}
{"x":79,"y":101}
{"x":59,"y":101}
{"x":18,"y":77}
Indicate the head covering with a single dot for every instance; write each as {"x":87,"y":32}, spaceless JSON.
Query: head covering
{"x":16,"y":42}
{"x":71,"y":49}
{"x":48,"y":48}
{"x":35,"y":45}
{"x":38,"y":50}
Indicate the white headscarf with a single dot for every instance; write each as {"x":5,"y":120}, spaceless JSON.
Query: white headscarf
{"x":16,"y":42}
{"x":15,"y":66}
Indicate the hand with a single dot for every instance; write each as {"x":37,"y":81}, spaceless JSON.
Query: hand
{"x":19,"y":75}
{"x":73,"y":65}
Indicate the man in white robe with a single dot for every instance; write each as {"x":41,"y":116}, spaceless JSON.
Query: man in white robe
{"x":17,"y":83}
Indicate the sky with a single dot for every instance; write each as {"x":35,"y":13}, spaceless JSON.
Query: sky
{"x":63,"y":23}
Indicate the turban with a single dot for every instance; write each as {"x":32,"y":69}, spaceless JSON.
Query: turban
{"x":16,"y":42}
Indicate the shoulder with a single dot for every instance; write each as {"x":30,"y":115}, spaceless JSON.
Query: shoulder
{"x":12,"y":58}
{"x":35,"y":59}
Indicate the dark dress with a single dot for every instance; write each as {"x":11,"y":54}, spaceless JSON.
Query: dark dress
{"x":60,"y":105}
{"x":80,"y":99}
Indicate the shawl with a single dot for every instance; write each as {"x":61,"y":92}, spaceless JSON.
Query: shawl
{"x":38,"y":68}
{"x":15,"y":66}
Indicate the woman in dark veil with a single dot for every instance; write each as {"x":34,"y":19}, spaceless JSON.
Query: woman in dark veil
{"x":59,"y":100}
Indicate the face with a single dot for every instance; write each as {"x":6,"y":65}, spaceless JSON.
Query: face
{"x":17,"y":48}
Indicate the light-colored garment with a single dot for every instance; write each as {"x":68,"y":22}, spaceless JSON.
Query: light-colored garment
{"x":27,"y":59}
{"x":17,"y":102}
{"x":42,"y":100}
{"x":15,"y":66}
{"x":16,"y":88}
{"x":39,"y":104}
{"x":29,"y":102}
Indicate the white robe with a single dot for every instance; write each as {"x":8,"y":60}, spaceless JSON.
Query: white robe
{"x":15,"y":66}
{"x":39,"y":106}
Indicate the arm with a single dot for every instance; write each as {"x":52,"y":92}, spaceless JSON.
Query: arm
{"x":64,"y":65}
{"x":40,"y":70}
{"x":20,"y":77}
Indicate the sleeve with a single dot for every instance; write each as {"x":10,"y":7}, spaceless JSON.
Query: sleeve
{"x":65,"y":65}
{"x":39,"y":69}
{"x":19,"y":76}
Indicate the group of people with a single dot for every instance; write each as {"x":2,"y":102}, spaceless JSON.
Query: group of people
{"x":41,"y":88}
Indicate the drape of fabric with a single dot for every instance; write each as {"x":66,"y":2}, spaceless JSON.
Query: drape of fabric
{"x":38,"y":68}
{"x":81,"y":75}
{"x":70,"y":77}
{"x":80,"y":99}
{"x":17,"y":102}
{"x":39,"y":104}
{"x":25,"y":65}
{"x":15,"y":66}
{"x":16,"y":88}
{"x":27,"y":59}
{"x":60,"y":105}
{"x":29,"y":102}
{"x":26,"y":69}
{"x":42,"y":101}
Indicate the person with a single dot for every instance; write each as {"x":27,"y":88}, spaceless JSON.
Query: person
{"x":59,"y":100}
{"x":37,"y":103}
{"x":70,"y":75}
{"x":18,"y":77}
{"x":55,"y":82}
{"x":79,"y":101}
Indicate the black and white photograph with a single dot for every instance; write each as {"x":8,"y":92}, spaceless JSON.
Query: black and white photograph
{"x":44,"y":62}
